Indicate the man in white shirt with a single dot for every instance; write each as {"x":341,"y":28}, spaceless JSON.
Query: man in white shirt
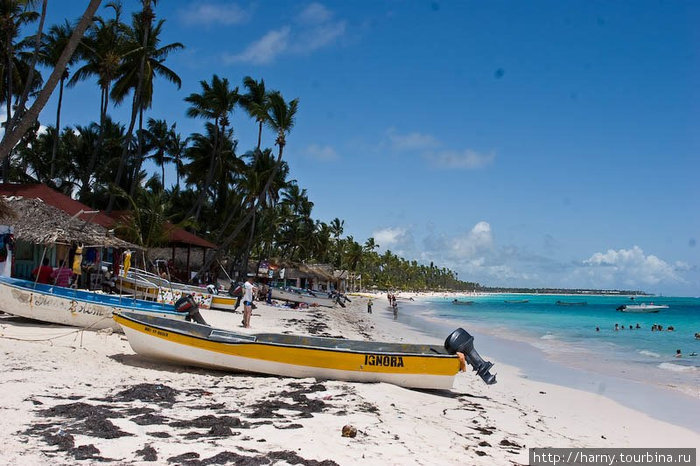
{"x":248,"y":301}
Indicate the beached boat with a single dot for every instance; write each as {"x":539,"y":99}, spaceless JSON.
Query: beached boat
{"x":407,"y":365}
{"x":151,"y":286}
{"x":642,"y":308}
{"x":67,"y":306}
{"x":516,"y":301}
{"x":305,"y":296}
{"x":457,"y":301}
{"x":571,"y":303}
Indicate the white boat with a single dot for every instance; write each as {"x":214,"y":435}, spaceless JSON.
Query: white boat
{"x":642,"y":308}
{"x":312,"y":298}
{"x":151,"y":286}
{"x":403,"y":364}
{"x":77,"y":308}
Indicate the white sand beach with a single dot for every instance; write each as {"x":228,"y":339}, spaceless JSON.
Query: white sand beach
{"x":70,"y":395}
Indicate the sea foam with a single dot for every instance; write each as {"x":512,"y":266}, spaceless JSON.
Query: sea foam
{"x":676,"y":367}
{"x":649,"y":353}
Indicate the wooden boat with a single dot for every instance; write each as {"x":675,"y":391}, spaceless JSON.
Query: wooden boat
{"x":642,"y":308}
{"x":303,"y":296}
{"x":407,"y":365}
{"x":570,"y":303}
{"x":516,"y":301}
{"x":151,"y":286}
{"x":457,"y":301}
{"x":67,"y":306}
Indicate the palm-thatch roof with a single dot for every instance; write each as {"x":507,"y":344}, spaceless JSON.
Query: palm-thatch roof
{"x":39,"y":223}
{"x":6,"y":211}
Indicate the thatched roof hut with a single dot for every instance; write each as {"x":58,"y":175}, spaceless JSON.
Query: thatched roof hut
{"x":39,"y":223}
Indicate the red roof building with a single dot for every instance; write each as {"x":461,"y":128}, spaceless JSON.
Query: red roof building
{"x":178,"y":236}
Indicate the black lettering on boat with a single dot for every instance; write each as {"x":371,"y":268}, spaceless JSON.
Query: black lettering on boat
{"x":383,"y":360}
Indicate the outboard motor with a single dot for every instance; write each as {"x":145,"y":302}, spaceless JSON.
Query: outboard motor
{"x":188,"y":305}
{"x":461,"y":341}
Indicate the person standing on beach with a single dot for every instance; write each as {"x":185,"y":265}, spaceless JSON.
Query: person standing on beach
{"x":248,"y":301}
{"x":369,"y":306}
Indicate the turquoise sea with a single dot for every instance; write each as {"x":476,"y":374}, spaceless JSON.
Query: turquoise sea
{"x":565,"y":336}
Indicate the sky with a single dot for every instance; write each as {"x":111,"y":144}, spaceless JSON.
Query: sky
{"x":528,"y":144}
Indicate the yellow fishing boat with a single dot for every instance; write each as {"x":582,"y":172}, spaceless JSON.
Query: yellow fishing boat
{"x":407,"y":365}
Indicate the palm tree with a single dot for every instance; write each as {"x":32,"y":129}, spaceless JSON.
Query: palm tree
{"x":157,"y":138}
{"x":15,"y":65}
{"x":176,"y":150}
{"x":337,"y":226}
{"x":21,"y":125}
{"x":224,"y":173}
{"x":256,"y":103}
{"x":281,"y":120}
{"x":102,"y":50}
{"x":215,"y":102}
{"x":54,"y":43}
{"x":141,"y":64}
{"x":370,"y":245}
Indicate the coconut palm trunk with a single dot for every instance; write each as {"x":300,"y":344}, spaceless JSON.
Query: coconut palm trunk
{"x":57,"y":136}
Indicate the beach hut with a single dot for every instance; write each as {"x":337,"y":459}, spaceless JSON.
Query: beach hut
{"x":185,"y":249}
{"x":41,"y":230}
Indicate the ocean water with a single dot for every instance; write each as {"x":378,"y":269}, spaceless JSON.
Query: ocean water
{"x":567,"y":333}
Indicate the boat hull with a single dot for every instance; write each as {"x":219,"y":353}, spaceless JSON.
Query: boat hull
{"x":76,"y":308}
{"x":643,"y":309}
{"x":285,"y":295}
{"x":415,"y":366}
{"x":161,"y":290}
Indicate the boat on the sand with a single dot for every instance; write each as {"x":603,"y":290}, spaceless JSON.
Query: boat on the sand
{"x":297,"y":295}
{"x":151,"y":286}
{"x":642,"y":308}
{"x":68,"y":306}
{"x":408,"y":365}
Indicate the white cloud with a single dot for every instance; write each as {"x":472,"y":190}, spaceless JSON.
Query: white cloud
{"x":315,"y":13}
{"x":478,"y":240}
{"x":318,"y":37}
{"x":633,"y":268}
{"x":464,"y":159}
{"x":312,"y":29}
{"x":265,"y":49}
{"x":433,"y":151}
{"x":323,"y":153}
{"x":414,"y":141}
{"x":388,"y":237}
{"x":209,"y":13}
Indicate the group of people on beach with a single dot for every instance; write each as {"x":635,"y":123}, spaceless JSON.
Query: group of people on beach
{"x":60,"y":276}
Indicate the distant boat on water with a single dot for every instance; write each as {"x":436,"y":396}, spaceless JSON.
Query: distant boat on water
{"x":516,"y":301}
{"x":642,"y":308}
{"x":571,"y":303}
{"x":457,"y":301}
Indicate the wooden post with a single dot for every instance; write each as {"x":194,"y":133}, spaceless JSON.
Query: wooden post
{"x":189,"y":250}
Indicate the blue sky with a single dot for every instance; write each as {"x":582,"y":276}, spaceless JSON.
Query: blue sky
{"x":535,"y":144}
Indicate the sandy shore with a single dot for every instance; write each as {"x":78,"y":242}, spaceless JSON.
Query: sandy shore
{"x":71,"y":395}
